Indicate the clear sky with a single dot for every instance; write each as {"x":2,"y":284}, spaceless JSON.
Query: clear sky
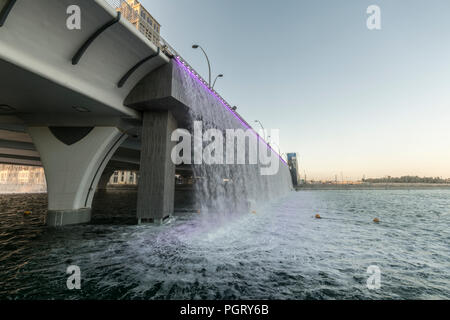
{"x":345,"y":98}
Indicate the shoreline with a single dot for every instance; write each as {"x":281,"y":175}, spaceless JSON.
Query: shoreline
{"x":372,"y":186}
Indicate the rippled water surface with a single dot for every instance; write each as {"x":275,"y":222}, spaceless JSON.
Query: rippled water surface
{"x":279,"y":252}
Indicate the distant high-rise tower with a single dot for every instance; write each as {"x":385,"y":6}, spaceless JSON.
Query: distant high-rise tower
{"x":293,"y":167}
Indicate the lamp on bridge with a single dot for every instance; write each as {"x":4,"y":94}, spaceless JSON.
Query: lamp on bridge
{"x":264,"y":131}
{"x":196,"y":46}
{"x":219,"y":76}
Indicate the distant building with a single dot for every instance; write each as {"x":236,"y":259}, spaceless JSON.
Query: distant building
{"x":141,"y":19}
{"x":293,"y":167}
{"x":18,"y":179}
{"x":13,"y":174}
{"x":123,"y":178}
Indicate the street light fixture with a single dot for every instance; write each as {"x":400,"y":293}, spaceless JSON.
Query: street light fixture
{"x":276,"y":144}
{"x":264,"y":131}
{"x":196,"y":46}
{"x":219,"y":76}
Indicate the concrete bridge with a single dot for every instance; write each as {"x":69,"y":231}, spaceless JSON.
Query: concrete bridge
{"x":83,"y":103}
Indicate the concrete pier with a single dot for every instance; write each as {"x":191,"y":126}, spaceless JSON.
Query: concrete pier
{"x":73,"y":168}
{"x":156,"y":187}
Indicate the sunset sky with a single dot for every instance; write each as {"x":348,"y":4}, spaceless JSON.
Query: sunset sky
{"x":345,"y":98}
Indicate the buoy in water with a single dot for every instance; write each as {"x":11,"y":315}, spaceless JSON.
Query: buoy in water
{"x":27,"y":213}
{"x":376,"y":220}
{"x":318,"y":216}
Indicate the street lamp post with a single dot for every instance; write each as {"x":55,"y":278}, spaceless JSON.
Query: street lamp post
{"x":264,"y":131}
{"x":276,"y":144}
{"x":219,"y":76}
{"x":195,"y":46}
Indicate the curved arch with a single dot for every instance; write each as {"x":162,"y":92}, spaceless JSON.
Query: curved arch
{"x":6,"y":11}
{"x":77,"y":57}
{"x":124,"y":79}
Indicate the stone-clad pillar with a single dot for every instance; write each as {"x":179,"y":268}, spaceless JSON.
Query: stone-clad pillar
{"x":156,"y":187}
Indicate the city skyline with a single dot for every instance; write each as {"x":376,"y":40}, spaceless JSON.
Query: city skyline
{"x":23,"y":176}
{"x":345,"y":98}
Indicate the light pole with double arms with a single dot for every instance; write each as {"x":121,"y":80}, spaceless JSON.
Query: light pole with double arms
{"x":264,"y":131}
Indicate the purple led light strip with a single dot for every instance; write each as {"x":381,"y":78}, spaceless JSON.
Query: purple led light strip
{"x":195,"y":76}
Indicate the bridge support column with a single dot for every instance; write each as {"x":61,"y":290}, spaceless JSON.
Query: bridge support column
{"x":156,"y":188}
{"x":73,"y":160}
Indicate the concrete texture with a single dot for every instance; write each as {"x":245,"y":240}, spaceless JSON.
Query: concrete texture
{"x":157,"y":171}
{"x":59,"y":218}
{"x":72,"y":172}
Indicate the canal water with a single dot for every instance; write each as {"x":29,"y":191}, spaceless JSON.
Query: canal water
{"x":280,"y":251}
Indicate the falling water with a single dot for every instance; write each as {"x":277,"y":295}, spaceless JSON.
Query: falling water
{"x":228,"y":188}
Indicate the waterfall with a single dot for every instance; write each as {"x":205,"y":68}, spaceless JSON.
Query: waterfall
{"x":227,"y":188}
